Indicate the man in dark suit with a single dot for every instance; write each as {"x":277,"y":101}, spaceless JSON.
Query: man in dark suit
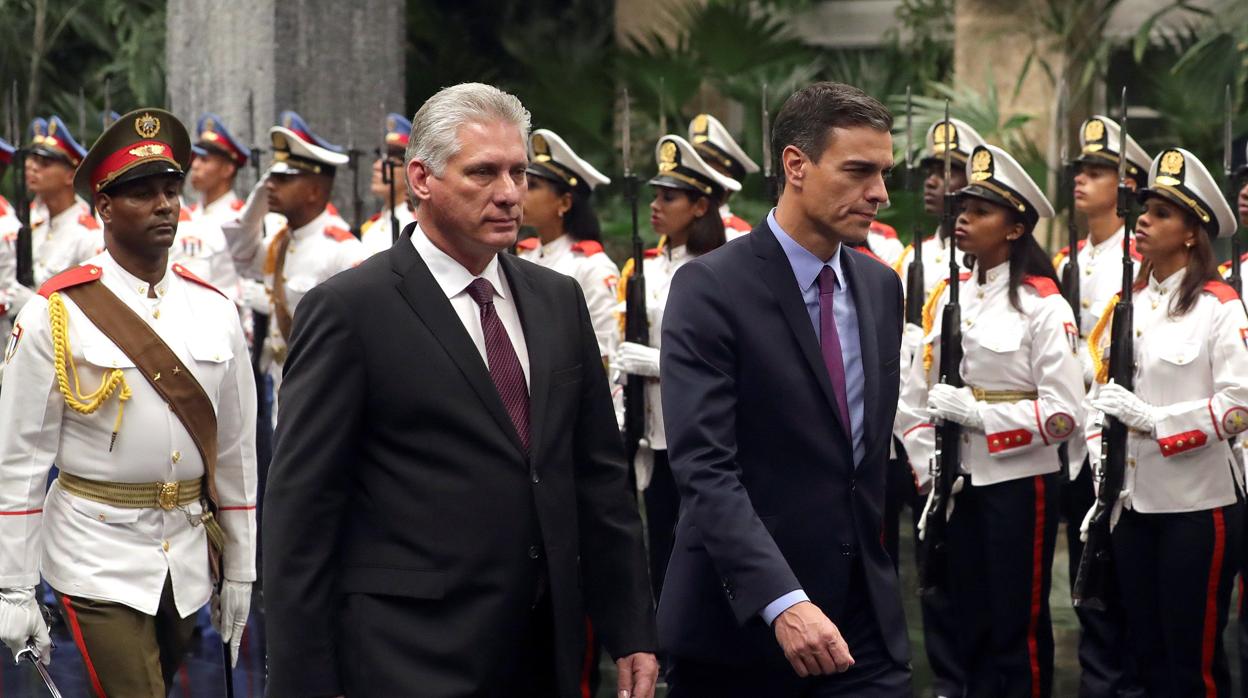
{"x":448,"y":510}
{"x":779,"y":373}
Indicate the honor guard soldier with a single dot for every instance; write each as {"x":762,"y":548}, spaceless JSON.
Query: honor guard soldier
{"x":143,"y":397}
{"x":313,"y":245}
{"x":218,"y":158}
{"x":687,"y":195}
{"x":1179,"y":516}
{"x":377,"y":233}
{"x":1022,"y":398}
{"x":718,"y":149}
{"x":569,"y":238}
{"x":1102,"y":669}
{"x":9,"y":225}
{"x":65,"y":233}
{"x":8,"y":215}
{"x":1241,"y":176}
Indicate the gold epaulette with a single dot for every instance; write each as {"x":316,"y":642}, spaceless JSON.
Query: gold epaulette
{"x":621,"y":290}
{"x":901,"y":261}
{"x":1100,"y":367}
{"x":1058,"y":259}
{"x":929,"y":320}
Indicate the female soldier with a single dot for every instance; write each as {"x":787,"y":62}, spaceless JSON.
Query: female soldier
{"x":1179,"y":514}
{"x":687,"y":196}
{"x":569,"y":239}
{"x":1022,"y":396}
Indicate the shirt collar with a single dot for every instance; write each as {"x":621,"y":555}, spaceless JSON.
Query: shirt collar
{"x":130,"y":281}
{"x":1171,"y":283}
{"x":222,"y":202}
{"x":1114,"y":240}
{"x":315,"y":225}
{"x":557,"y":246}
{"x":806,"y":266}
{"x":996,"y":276}
{"x":451,"y":276}
{"x":70,"y":214}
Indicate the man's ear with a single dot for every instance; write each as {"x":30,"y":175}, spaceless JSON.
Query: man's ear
{"x":418,"y":175}
{"x":104,"y":208}
{"x":793,"y":161}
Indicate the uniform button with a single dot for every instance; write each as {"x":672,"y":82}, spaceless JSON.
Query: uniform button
{"x":1086,"y":304}
{"x":534,"y":553}
{"x":164,"y":545}
{"x":1131,"y":462}
{"x":102,"y":517}
{"x":176,"y":456}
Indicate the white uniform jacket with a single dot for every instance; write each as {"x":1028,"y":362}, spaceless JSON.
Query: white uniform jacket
{"x":593,"y":270}
{"x":200,"y":247}
{"x":98,"y":551}
{"x":1004,"y":351}
{"x":377,"y":234}
{"x":1194,"y":370}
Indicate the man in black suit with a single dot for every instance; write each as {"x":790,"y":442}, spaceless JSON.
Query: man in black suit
{"x":448,"y":510}
{"x":779,"y":373}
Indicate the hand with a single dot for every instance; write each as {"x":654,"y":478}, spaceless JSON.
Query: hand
{"x":811,"y":642}
{"x":20,"y":621}
{"x":958,"y":484}
{"x":256,"y":206}
{"x":637,"y":359}
{"x":1116,"y":400}
{"x":954,"y":404}
{"x":1113,"y":515}
{"x":229,"y":614}
{"x":911,"y":338}
{"x":255,"y":296}
{"x":638,"y":672}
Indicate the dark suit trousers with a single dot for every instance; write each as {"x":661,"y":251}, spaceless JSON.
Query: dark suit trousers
{"x":874,"y":674}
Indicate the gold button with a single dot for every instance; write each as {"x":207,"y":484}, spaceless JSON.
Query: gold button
{"x":1086,"y":304}
{"x":164,"y":545}
{"x":156,"y":313}
{"x":1138,"y":333}
{"x":1180,"y":443}
{"x":1018,"y":439}
{"x":100,"y":517}
{"x":1087,"y":271}
{"x":1131,"y":462}
{"x":177,"y":456}
{"x":996,"y":442}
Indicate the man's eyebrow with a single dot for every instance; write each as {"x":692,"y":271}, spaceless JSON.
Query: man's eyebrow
{"x":863,"y":162}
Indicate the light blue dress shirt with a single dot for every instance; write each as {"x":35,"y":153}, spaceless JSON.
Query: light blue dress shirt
{"x":806,"y":267}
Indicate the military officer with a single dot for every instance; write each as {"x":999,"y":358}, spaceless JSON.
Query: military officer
{"x":377,"y":233}
{"x":569,"y":238}
{"x":146,"y":404}
{"x":313,"y":245}
{"x":1178,"y":522}
{"x":718,"y":149}
{"x":1023,"y":397}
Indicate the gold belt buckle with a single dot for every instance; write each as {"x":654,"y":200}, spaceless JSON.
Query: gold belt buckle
{"x":167,"y":497}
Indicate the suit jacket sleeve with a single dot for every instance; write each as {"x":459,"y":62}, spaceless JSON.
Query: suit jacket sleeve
{"x":306,"y":497}
{"x":617,"y":586}
{"x":699,"y":365}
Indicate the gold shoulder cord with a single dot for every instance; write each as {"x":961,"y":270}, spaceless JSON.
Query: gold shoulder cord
{"x":929,"y":320}
{"x":63,"y":359}
{"x":1100,"y":367}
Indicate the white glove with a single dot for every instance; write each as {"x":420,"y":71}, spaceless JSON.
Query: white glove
{"x":1116,"y":400}
{"x":17,"y":297}
{"x":643,"y":465}
{"x":637,"y":359}
{"x":911,"y":338}
{"x":958,"y":484}
{"x":1113,"y":515}
{"x":20,"y":621}
{"x":255,"y":296}
{"x":954,"y":404}
{"x":1085,"y":362}
{"x":229,"y":614}
{"x":257,"y":206}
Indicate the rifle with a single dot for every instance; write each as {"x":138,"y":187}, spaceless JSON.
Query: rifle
{"x":916,"y":292}
{"x":357,"y":201}
{"x":636,"y":324}
{"x":948,"y":457}
{"x":24,"y":246}
{"x":1095,"y":580}
{"x":254,"y":159}
{"x":1235,"y":279}
{"x":1070,"y":275}
{"x":770,"y":184}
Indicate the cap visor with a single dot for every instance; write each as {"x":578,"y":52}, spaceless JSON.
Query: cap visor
{"x":151,"y":169}
{"x":672,"y":183}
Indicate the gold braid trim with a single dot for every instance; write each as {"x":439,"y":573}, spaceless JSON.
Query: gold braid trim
{"x":929,"y":320}
{"x":901,"y":261}
{"x":64,"y":362}
{"x":270,"y":259}
{"x":621,"y":291}
{"x":1100,"y":367}
{"x":1057,"y":260}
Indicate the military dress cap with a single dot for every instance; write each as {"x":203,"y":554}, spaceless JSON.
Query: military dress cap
{"x":994,"y":175}
{"x":716,"y":146}
{"x":298,"y":150}
{"x":398,"y":130}
{"x":1098,"y":145}
{"x":143,"y":143}
{"x":961,"y":137}
{"x":680,"y":167}
{"x":52,"y":139}
{"x":1181,"y":178}
{"x":551,"y":158}
{"x":6,"y":153}
{"x":214,"y":137}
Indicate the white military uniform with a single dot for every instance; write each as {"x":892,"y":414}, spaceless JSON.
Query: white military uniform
{"x":9,"y":296}
{"x":98,"y":551}
{"x":66,"y":240}
{"x":659,"y":267}
{"x":734,"y":226}
{"x":376,"y":233}
{"x":221,"y":211}
{"x":885,"y":245}
{"x":200,"y":246}
{"x":935,"y":264}
{"x":593,"y":270}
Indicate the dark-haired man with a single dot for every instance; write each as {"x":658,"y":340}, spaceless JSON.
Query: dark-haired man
{"x":780,"y":379}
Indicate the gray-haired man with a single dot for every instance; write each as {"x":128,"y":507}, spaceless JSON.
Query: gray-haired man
{"x":448,"y":511}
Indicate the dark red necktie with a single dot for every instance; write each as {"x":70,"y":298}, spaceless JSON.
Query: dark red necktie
{"x":505,"y":369}
{"x":830,"y":343}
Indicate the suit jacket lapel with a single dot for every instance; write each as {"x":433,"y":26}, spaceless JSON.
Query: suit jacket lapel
{"x":779,"y":276}
{"x":426,"y":297}
{"x":867,"y":342}
{"x":536,"y":321}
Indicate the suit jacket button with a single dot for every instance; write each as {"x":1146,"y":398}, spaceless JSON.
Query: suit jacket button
{"x":853,"y":484}
{"x":534,"y":477}
{"x":534,"y":552}
{"x":847,"y":550}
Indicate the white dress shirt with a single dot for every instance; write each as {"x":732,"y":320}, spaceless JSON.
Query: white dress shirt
{"x":453,"y":278}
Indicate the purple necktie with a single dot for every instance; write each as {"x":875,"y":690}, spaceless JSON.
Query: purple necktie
{"x":830,"y":343}
{"x":505,"y":369}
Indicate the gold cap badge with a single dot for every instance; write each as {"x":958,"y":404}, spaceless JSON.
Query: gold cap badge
{"x":146,"y":125}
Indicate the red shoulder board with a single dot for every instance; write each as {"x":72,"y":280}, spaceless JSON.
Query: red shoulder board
{"x":333,"y":231}
{"x":1065,"y":251}
{"x":527,"y":244}
{"x":587,"y":247}
{"x":1222,"y":291}
{"x":1043,"y":284}
{"x":4,"y":206}
{"x":737,"y":223}
{"x":884,"y":229}
{"x":653,"y":252}
{"x":1244,"y":258}
{"x":184,"y":215}
{"x":70,"y":277}
{"x":964,"y":276}
{"x":375,"y":217}
{"x":333,"y":210}
{"x":238,"y":204}
{"x":186,"y":274}
{"x":1083,"y":243}
{"x":88,"y":221}
{"x":1135,"y":255}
